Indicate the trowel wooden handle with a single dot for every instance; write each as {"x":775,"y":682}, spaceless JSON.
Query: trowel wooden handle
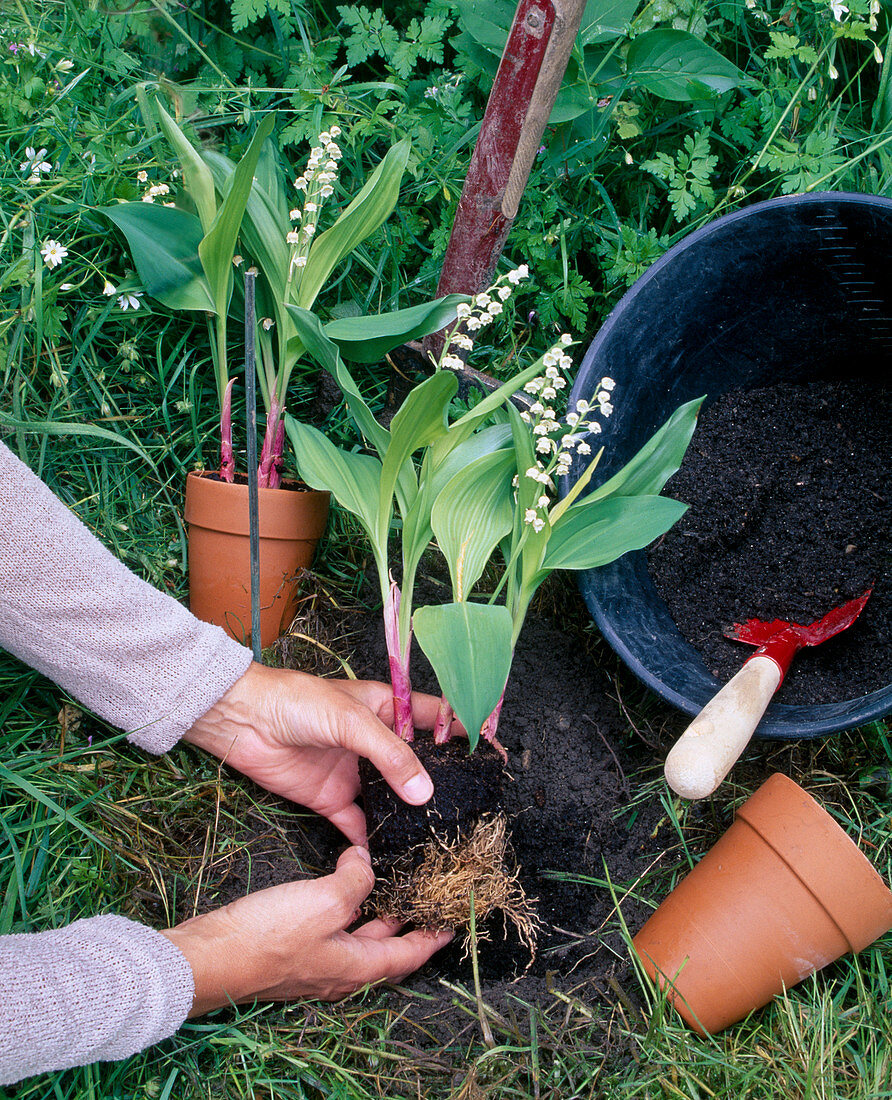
{"x":713,"y":742}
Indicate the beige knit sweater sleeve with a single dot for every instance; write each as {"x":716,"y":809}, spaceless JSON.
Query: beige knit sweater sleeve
{"x":106,"y":987}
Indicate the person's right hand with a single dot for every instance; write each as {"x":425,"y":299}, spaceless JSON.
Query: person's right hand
{"x":290,"y":941}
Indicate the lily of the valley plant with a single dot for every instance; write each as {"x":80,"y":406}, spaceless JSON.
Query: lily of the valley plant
{"x":483,"y":483}
{"x":192,"y":253}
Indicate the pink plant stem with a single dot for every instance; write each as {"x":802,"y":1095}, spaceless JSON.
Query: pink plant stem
{"x":269,"y":468}
{"x":443,"y":724}
{"x":227,"y":459}
{"x":399,"y":666}
{"x":491,"y":725}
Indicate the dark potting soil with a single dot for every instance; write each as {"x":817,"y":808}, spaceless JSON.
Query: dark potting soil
{"x":790,"y":515}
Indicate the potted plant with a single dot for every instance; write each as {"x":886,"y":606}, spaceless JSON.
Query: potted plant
{"x":187,"y":256}
{"x":479,"y":482}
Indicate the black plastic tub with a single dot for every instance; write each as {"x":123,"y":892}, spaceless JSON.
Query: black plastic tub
{"x":793,"y":289}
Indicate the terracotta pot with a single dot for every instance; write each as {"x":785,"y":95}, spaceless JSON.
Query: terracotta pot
{"x":292,"y":520}
{"x":783,"y":893}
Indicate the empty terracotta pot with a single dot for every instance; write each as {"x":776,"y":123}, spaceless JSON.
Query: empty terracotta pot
{"x":783,"y":893}
{"x":292,"y":519}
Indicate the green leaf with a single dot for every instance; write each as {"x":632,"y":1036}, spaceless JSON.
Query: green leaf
{"x":604,"y":20}
{"x":196,"y":175}
{"x":369,"y":209}
{"x":218,"y":247}
{"x":369,"y":339}
{"x":677,"y":65}
{"x":598,"y":532}
{"x":419,"y":421}
{"x":469,"y":647}
{"x":164,"y":245}
{"x":649,"y":470}
{"x":471,"y":515}
{"x":352,"y":479}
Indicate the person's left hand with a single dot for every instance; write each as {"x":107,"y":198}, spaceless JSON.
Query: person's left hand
{"x":300,"y":736}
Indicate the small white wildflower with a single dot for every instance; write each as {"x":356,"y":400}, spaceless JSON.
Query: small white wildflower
{"x":543,"y":501}
{"x":533,"y":473}
{"x":309,"y":230}
{"x":473,"y":323}
{"x":551,"y":373}
{"x":142,"y":176}
{"x":482,"y":300}
{"x":565,"y":362}
{"x":129,"y":301}
{"x":518,"y":274}
{"x":300,"y":184}
{"x":267,"y":323}
{"x":333,"y":150}
{"x":431,"y":92}
{"x":454,"y":362}
{"x":533,"y":386}
{"x":463,"y":310}
{"x":494,"y":308}
{"x":559,"y":383}
{"x":326,"y":191}
{"x":608,"y":384}
{"x":751,"y":4}
{"x":170,"y":205}
{"x":812,"y":94}
{"x":335,"y":130}
{"x":462,"y":341}
{"x":537,"y":408}
{"x":583,"y":448}
{"x":594,"y":428}
{"x":833,"y":72}
{"x":538,"y":524}
{"x":310,"y":207}
{"x":549,"y":393}
{"x":530,"y":515}
{"x":35,"y":164}
{"x":292,"y":237}
{"x":572,"y":419}
{"x":237,"y":260}
{"x":566,"y":339}
{"x":878,"y":55}
{"x":64,"y":66}
{"x":331,"y":167}
{"x":839,"y":10}
{"x":551,"y":358}
{"x":561,"y":469}
{"x":148,"y":197}
{"x":300,"y":261}
{"x":67,"y":286}
{"x":629,"y":159}
{"x":324,"y":137}
{"x":109,"y":289}
{"x":606,"y":409}
{"x":582,"y":407}
{"x":504,"y":292}
{"x":544,"y":445}
{"x":486,"y":318}
{"x":295,"y":215}
{"x":53,"y":253}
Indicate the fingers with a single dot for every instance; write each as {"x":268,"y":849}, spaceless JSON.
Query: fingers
{"x":353,"y":880}
{"x":392,"y":958}
{"x":351,"y":822}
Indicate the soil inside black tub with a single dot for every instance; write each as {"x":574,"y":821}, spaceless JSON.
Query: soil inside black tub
{"x":789,"y":516}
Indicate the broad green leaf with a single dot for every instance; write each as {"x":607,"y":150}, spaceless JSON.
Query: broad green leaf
{"x":471,"y":515}
{"x":352,"y":479}
{"x":218,"y":247}
{"x":369,"y":339}
{"x":417,"y":530}
{"x":164,"y":244}
{"x":469,"y":647}
{"x":604,"y":20}
{"x":596,"y":533}
{"x":677,"y":65}
{"x":325,"y":352}
{"x":196,"y":175}
{"x":649,"y":470}
{"x":419,"y":421}
{"x":369,"y":209}
{"x":263,"y":231}
{"x":488,"y":22}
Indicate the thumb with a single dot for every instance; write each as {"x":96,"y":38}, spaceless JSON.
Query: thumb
{"x":354,"y":877}
{"x":399,"y":765}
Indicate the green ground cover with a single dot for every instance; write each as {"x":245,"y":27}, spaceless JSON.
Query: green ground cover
{"x":111,"y":400}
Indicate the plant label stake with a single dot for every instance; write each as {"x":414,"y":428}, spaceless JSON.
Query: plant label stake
{"x":713,"y":742}
{"x":253,"y":492}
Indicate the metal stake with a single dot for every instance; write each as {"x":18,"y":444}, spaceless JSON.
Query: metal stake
{"x":253,"y":495}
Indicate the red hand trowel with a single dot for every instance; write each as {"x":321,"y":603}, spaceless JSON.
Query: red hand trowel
{"x":712,"y":743}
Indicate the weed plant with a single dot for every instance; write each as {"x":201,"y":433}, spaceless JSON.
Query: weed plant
{"x":111,"y":406}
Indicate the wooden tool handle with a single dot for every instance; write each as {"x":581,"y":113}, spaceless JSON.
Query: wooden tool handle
{"x":713,"y":742}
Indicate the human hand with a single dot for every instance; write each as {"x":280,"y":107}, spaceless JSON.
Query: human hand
{"x":300,"y":736}
{"x":290,"y":941}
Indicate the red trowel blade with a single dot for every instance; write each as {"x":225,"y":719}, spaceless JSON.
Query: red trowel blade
{"x":759,"y":633}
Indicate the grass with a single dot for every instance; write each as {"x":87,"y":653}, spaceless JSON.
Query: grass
{"x":112,"y":408}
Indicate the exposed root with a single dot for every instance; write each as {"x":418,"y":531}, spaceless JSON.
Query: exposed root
{"x":436,"y":891}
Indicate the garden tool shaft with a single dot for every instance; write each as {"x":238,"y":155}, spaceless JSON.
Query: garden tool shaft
{"x":713,"y":742}
{"x":520,"y":103}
